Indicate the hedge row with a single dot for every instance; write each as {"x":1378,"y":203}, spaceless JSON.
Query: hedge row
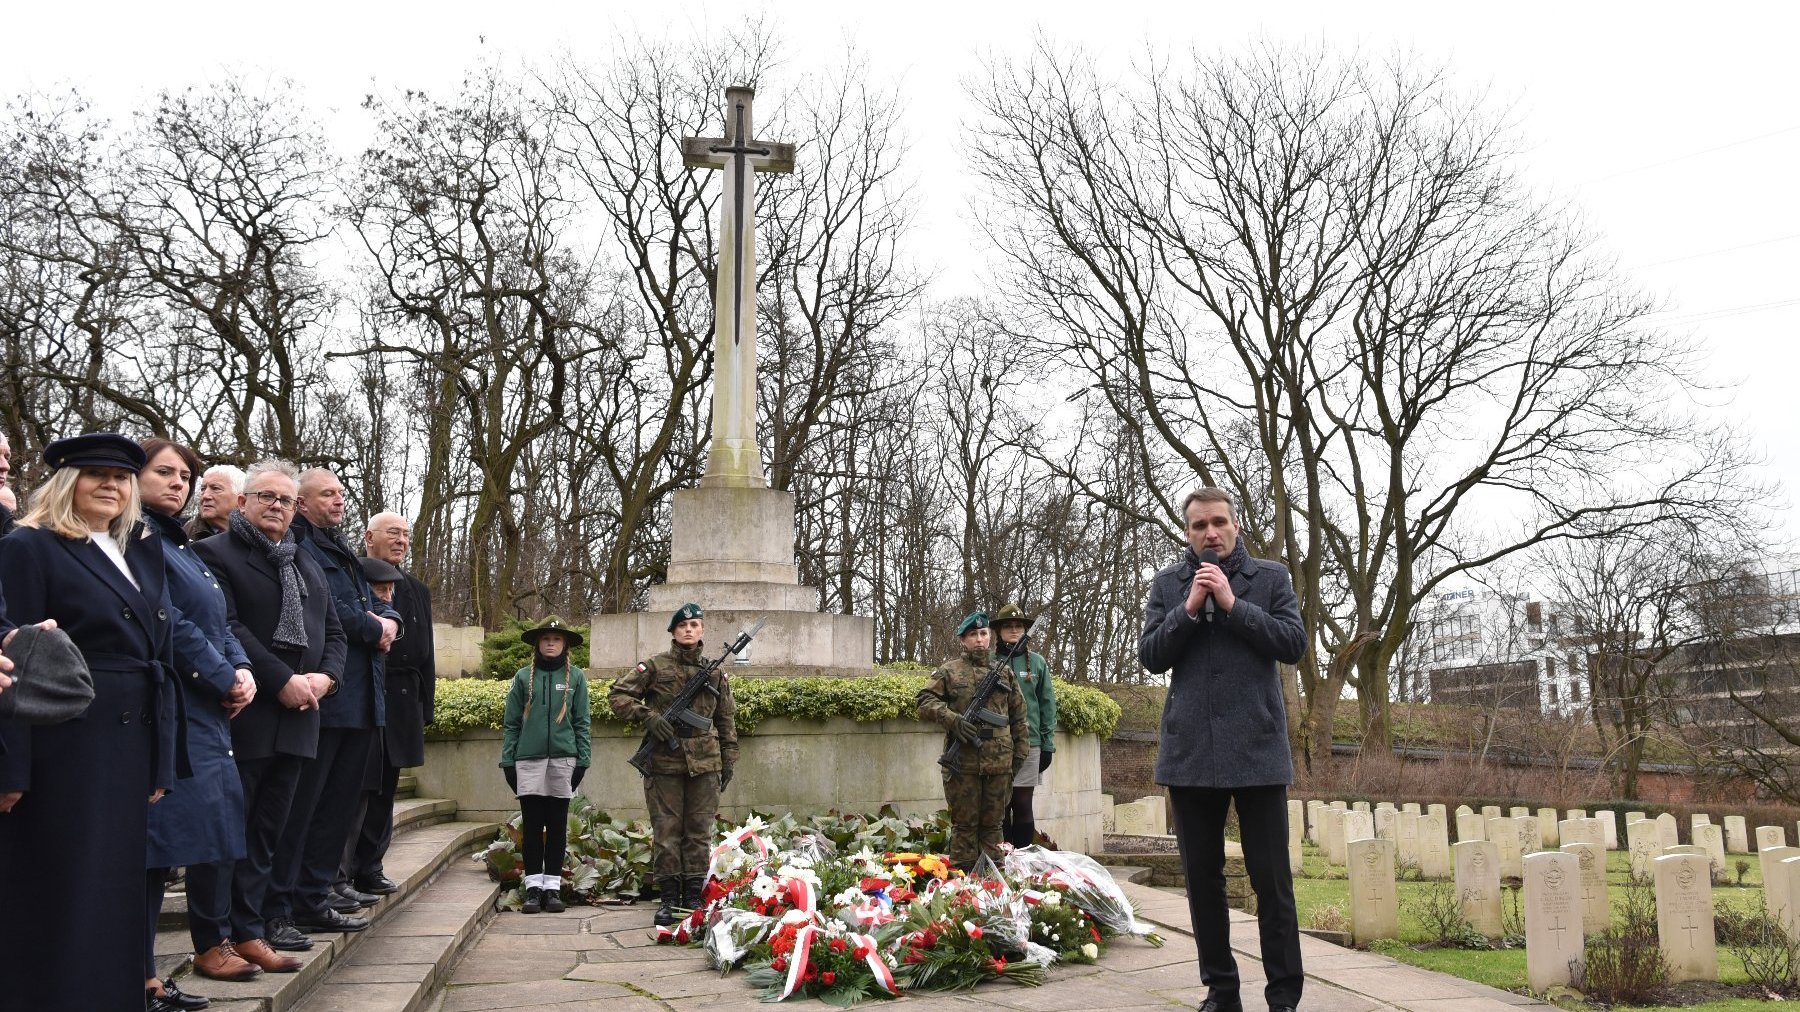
{"x":466,"y":704}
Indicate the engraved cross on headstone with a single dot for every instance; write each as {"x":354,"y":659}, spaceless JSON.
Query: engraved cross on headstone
{"x":1558,"y":927}
{"x":1690,"y":927}
{"x":733,"y":458}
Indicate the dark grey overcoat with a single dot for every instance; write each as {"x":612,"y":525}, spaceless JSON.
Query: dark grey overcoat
{"x":1223,"y":723}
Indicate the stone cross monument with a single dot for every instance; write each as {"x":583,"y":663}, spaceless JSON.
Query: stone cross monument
{"x":732,"y":538}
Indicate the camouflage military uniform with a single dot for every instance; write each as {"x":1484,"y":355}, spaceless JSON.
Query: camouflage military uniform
{"x":978,"y":796}
{"x":682,"y":792}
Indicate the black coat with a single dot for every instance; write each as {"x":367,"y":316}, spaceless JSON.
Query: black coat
{"x":1224,"y":724}
{"x":411,"y":676}
{"x":72,"y":933}
{"x":253,"y":608}
{"x":361,"y":699}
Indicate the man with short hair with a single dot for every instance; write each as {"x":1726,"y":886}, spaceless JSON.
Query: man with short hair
{"x":216,"y":496}
{"x":411,"y":682}
{"x":331,"y":788}
{"x":280,"y":611}
{"x":1222,"y":626}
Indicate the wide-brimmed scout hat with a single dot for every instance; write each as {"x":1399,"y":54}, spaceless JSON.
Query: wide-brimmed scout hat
{"x":975,"y":620}
{"x":96,"y":449}
{"x":685,"y":612}
{"x":51,"y":681}
{"x":553,"y":624}
{"x":1010,"y":612}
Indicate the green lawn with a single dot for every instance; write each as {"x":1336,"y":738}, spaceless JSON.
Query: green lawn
{"x":1321,"y":886}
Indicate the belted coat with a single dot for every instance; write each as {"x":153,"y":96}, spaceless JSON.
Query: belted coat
{"x":72,"y":933}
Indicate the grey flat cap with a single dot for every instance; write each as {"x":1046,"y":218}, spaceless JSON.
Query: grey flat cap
{"x":51,"y":681}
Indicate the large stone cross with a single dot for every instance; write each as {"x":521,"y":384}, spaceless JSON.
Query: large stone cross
{"x":733,"y":458}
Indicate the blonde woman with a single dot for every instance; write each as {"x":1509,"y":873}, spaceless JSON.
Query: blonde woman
{"x":75,"y":797}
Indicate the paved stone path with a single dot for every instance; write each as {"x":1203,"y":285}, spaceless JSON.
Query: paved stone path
{"x":603,"y":958}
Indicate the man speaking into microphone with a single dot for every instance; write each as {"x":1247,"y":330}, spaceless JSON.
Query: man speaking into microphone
{"x":1219,"y":620}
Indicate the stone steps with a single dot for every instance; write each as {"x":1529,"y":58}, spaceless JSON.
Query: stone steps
{"x":434,"y":853}
{"x":409,"y":814}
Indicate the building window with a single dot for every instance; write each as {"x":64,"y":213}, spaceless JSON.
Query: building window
{"x":1553,"y":694}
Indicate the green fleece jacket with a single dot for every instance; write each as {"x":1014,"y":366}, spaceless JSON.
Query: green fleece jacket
{"x":547,"y":716}
{"x":1033,"y":675}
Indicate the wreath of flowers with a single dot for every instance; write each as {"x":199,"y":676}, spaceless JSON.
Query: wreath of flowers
{"x":803,"y":920}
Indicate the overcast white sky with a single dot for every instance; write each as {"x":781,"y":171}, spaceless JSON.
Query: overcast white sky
{"x":1675,"y":128}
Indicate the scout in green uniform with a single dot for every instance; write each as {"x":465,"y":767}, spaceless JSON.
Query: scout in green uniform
{"x":682,"y":792}
{"x":977,"y":796}
{"x":544,"y":753}
{"x":1033,"y":676}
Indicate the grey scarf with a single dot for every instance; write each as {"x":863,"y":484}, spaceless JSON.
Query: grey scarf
{"x":290,"y":631}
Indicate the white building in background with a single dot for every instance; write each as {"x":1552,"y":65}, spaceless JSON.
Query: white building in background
{"x":1476,"y":647}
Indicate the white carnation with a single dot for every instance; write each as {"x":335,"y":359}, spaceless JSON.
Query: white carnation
{"x":1091,"y":951}
{"x":764,"y":887}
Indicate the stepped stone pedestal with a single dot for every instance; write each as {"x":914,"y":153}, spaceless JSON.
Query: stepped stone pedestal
{"x":733,"y":553}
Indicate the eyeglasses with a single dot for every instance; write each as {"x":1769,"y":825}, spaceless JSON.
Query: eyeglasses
{"x":268,"y":499}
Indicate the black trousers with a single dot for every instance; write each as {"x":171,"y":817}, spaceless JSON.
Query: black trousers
{"x":544,"y":825}
{"x":268,"y":797}
{"x":324,"y":813}
{"x":368,"y":845}
{"x":1200,"y":833}
{"x":208,"y":907}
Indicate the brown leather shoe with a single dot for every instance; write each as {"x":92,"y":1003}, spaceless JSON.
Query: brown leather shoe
{"x":257,"y":951}
{"x":222,"y":962}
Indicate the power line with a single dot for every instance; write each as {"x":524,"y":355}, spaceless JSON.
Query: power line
{"x":1692,"y":154}
{"x":1716,"y":252}
{"x":1726,"y":311}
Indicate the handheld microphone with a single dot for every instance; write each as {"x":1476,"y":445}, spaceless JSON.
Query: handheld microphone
{"x":1208,"y":558}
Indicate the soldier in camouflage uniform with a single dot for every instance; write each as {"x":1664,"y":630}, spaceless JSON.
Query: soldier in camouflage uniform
{"x":991,"y":757}
{"x":682,"y":792}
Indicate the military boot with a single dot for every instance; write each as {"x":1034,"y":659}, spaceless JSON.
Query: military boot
{"x":692,"y":888}
{"x":671,"y":894}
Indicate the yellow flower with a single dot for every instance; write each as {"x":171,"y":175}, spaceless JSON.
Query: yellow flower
{"x":935,"y":865}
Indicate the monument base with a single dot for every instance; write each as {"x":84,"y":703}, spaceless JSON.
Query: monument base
{"x":792,"y":643}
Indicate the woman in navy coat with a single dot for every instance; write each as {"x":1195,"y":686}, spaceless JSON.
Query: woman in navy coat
{"x":75,"y":797}
{"x":200,"y":825}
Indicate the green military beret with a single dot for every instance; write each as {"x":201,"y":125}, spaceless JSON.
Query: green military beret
{"x":553,"y":624}
{"x":976,"y":620}
{"x":1012,"y":613}
{"x":685,"y":612}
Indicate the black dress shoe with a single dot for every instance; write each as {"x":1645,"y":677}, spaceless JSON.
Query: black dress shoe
{"x":377,"y":883}
{"x":329,"y":920}
{"x":342,"y":904}
{"x":345,"y":894}
{"x":281,"y":934}
{"x":154,"y":1002}
{"x":1281,"y":1008}
{"x":1212,"y":1004}
{"x":190,"y":1002}
{"x":553,"y":903}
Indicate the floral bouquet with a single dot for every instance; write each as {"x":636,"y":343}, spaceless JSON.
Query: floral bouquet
{"x":1086,"y":883}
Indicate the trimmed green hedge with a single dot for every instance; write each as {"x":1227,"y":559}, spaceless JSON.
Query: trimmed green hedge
{"x":465,"y":704}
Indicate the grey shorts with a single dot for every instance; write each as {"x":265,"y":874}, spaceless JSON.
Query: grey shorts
{"x":551,"y":778}
{"x":1028,"y":773}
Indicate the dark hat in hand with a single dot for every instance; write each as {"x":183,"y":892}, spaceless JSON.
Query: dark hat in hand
{"x":51,"y":681}
{"x":685,"y":612}
{"x":553,"y":624}
{"x":96,"y":449}
{"x":380,"y":570}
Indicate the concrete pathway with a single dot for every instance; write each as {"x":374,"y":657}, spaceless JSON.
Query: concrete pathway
{"x":603,"y":958}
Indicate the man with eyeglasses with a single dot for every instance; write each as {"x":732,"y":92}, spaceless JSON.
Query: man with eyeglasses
{"x":411,"y":697}
{"x":278,"y":605}
{"x":330,"y":793}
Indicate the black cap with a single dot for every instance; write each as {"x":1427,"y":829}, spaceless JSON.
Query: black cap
{"x":96,"y":449}
{"x":380,"y":571}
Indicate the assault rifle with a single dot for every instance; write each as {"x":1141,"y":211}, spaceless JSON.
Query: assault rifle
{"x":680,"y":709}
{"x":978,"y":709}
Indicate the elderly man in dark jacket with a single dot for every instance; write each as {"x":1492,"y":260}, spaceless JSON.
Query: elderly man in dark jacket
{"x":1221,"y":620}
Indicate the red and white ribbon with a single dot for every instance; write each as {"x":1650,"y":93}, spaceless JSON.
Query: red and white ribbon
{"x":877,"y":965}
{"x":800,"y":895}
{"x":871,"y":912}
{"x":798,"y":960}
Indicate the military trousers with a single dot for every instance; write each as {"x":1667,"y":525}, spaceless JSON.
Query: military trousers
{"x":977,"y":805}
{"x":683,"y":810}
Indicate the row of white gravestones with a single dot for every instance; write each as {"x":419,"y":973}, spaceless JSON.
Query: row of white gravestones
{"x":1565,"y":899}
{"x":1471,"y":825}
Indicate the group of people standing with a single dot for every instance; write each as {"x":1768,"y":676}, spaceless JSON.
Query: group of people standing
{"x":237,"y":690}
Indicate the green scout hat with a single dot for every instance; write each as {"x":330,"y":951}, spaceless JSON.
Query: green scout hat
{"x":685,"y":612}
{"x":553,"y":624}
{"x":1012,"y":613}
{"x":976,"y":620}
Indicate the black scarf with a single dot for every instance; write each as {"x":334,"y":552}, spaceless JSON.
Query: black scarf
{"x":1232,"y":564}
{"x":290,"y":631}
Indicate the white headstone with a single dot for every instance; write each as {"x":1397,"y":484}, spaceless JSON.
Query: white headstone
{"x":1490,"y":811}
{"x":1406,"y":840}
{"x":1374,"y":900}
{"x":1686,"y":848}
{"x":1609,"y":822}
{"x":1531,"y":838}
{"x":1358,"y":826}
{"x":1478,"y":885}
{"x":1387,"y":825}
{"x":1787,"y":873}
{"x":1646,"y":846}
{"x":1143,"y":817}
{"x":1359,"y":806}
{"x":1768,"y":837}
{"x":1518,"y":811}
{"x":1631,"y":817}
{"x":1315,"y":822}
{"x":1711,"y":839}
{"x":1434,"y":846}
{"x":1296,"y":831}
{"x":1670,"y":830}
{"x":1436,"y":809}
{"x":1737,"y":838}
{"x":1551,"y":838}
{"x":1334,"y":836}
{"x":1553,"y":918}
{"x":1684,"y":917}
{"x":1413,"y":807}
{"x":1596,"y":909}
{"x":1466,"y":810}
{"x":1389,"y":805}
{"x":1503,"y":833}
{"x":1470,"y":826}
{"x":1698,"y":819}
{"x":1577,"y":813}
{"x":1576,"y":831}
{"x":1775,"y":888}
{"x":1342,"y":806}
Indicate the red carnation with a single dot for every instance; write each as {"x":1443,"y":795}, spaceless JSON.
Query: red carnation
{"x":999,"y":964}
{"x":828,"y":978}
{"x":839,"y":945}
{"x":914,"y":956}
{"x":809,"y":976}
{"x":779,"y":963}
{"x":862,"y":952}
{"x":1095,"y":932}
{"x":975,"y":932}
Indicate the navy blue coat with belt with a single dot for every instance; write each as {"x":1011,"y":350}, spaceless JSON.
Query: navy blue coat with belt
{"x":361,"y":696}
{"x":202,"y":820}
{"x":1224,"y":724}
{"x":252,"y":591}
{"x":72,"y":931}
